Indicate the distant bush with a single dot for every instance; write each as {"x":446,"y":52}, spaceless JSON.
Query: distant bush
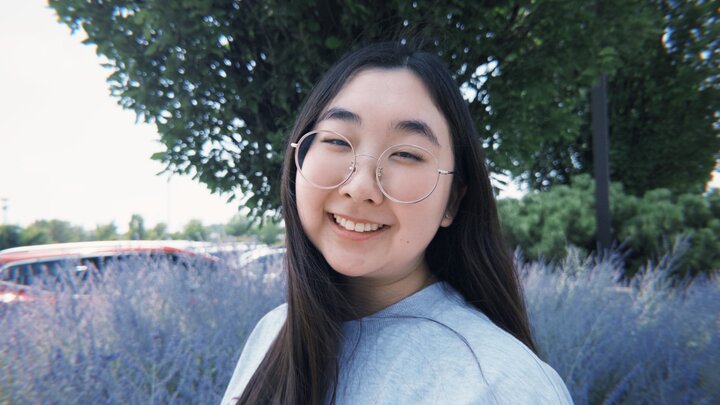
{"x":151,"y":332}
{"x":544,"y":224}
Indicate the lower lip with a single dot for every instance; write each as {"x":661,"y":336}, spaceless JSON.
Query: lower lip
{"x":359,"y":236}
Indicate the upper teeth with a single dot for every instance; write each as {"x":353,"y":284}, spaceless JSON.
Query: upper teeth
{"x":356,"y":226}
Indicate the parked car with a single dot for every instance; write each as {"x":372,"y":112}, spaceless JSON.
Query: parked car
{"x":27,"y":272}
{"x":243,"y":255}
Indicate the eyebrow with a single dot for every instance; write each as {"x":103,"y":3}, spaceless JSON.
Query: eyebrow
{"x":411,"y":126}
{"x":340,"y":114}
{"x":418,"y":127}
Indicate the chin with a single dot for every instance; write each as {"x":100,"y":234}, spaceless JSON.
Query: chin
{"x":348,"y":271}
{"x":346,"y":267}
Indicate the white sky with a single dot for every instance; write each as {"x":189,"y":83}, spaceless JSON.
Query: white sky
{"x":67,"y":150}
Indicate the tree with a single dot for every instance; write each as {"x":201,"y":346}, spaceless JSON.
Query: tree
{"x":664,"y":103}
{"x":106,"y":232}
{"x":269,"y":233}
{"x":239,"y":225}
{"x":136,"y":228}
{"x":52,"y":231}
{"x":34,"y":235}
{"x":223,"y":80}
{"x":159,"y":231}
{"x":194,"y":230}
{"x":10,"y":236}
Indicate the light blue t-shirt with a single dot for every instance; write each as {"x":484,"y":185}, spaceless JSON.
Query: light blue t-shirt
{"x":429,"y":348}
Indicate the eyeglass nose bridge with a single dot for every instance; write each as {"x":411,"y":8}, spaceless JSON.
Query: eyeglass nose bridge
{"x":366,"y":155}
{"x":354,"y":166}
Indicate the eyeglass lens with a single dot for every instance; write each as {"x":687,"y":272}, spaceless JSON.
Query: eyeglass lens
{"x":405,"y":173}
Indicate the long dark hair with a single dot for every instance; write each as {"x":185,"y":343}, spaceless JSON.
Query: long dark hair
{"x":301,"y":365}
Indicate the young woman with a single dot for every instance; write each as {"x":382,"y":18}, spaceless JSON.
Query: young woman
{"x":400,"y":290}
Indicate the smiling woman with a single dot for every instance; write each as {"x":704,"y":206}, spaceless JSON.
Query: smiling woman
{"x":399,"y":287}
{"x":378,"y":106}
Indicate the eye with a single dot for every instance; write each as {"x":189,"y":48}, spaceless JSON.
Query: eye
{"x":408,"y":156}
{"x":336,"y":142}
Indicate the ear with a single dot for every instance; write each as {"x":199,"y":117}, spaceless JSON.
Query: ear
{"x":453,"y":205}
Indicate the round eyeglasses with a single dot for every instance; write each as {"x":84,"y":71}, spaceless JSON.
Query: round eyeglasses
{"x":405,"y":173}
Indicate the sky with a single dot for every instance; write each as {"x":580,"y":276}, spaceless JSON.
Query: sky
{"x":67,"y":150}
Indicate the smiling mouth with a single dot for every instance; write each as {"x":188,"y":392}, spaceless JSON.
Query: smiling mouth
{"x":357,"y":226}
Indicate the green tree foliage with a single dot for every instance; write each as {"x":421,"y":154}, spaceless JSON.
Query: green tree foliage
{"x":664,"y":103}
{"x":106,"y":232}
{"x":158,"y":232}
{"x":194,"y":230}
{"x":543,"y":224}
{"x":239,"y":225}
{"x":136,"y":228}
{"x":51,"y":231}
{"x":239,"y":228}
{"x":262,"y":231}
{"x":9,"y":236}
{"x":269,"y":233}
{"x":223,"y":80}
{"x":676,"y":148}
{"x":34,"y":235}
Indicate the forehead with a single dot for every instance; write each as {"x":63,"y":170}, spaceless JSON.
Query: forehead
{"x":384,"y":98}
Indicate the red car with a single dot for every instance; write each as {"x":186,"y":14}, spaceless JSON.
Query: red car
{"x":24,"y":271}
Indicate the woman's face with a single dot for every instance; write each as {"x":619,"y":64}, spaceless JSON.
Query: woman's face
{"x":378,"y":108}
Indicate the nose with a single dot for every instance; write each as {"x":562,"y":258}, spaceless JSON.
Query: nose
{"x":362,"y":186}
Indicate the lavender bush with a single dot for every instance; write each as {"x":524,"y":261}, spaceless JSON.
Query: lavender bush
{"x":154,"y":332}
{"x":151,"y":332}
{"x":652,"y":341}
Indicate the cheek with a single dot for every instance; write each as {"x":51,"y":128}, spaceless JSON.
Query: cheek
{"x":437,"y":203}
{"x":309,"y":205}
{"x":425,"y":218}
{"x":422,"y":220}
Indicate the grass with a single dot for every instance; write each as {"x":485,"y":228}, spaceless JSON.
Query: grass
{"x":156,"y":333}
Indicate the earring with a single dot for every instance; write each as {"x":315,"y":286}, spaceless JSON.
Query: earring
{"x":447,"y":216}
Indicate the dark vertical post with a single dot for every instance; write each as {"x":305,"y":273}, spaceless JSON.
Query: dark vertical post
{"x":5,"y":211}
{"x":601,"y":159}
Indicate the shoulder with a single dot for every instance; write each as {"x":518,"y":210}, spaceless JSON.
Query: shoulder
{"x":265,"y":331}
{"x":470,"y":359}
{"x":256,"y":347}
{"x":274,"y":318}
{"x":511,"y":371}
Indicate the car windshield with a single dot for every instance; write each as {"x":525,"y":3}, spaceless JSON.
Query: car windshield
{"x":49,"y":272}
{"x":32,"y":273}
{"x":75,"y":271}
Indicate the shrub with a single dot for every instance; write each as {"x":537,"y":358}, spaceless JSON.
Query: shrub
{"x":154,"y":333}
{"x":543,"y":224}
{"x":150,"y":332}
{"x":651,"y":342}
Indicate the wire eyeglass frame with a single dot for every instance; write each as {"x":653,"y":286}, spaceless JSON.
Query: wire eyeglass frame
{"x":378,"y":170}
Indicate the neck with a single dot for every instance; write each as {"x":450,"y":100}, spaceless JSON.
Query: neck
{"x":371,"y":295}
